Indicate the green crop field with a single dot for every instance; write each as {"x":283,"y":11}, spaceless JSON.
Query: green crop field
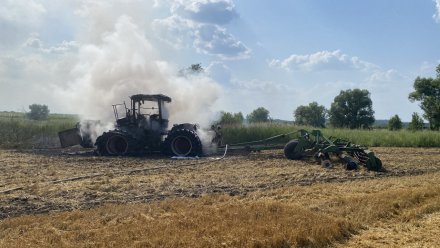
{"x":17,"y":131}
{"x":375,"y":137}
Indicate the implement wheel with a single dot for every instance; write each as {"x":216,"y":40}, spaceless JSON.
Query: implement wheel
{"x":373,"y":164}
{"x":289,"y":150}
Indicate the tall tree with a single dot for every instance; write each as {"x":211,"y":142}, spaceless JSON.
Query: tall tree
{"x":228,"y":118}
{"x":38,"y":112}
{"x":258,"y":115}
{"x":193,"y":69}
{"x":196,"y":68}
{"x":416,"y":123}
{"x":427,"y":91}
{"x":311,"y":115}
{"x":395,"y":123}
{"x":352,"y":109}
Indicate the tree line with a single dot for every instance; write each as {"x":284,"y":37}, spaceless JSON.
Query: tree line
{"x":353,"y":108}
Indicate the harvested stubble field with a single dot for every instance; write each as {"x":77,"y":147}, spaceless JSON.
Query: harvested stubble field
{"x":49,"y":199}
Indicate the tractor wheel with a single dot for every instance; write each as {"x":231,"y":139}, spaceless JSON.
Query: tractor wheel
{"x":183,"y":143}
{"x":100,"y":143}
{"x":116,"y":144}
{"x":289,"y":150}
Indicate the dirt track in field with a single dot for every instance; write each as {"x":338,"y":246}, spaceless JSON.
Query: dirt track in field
{"x":42,"y":181}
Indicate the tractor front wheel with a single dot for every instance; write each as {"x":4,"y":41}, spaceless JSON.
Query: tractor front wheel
{"x":183,"y":143}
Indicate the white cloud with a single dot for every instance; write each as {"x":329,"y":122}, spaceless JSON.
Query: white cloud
{"x":214,"y":40}
{"x":176,"y":31}
{"x":65,"y":46}
{"x":206,"y":11}
{"x":334,"y":70}
{"x":28,"y":12}
{"x":322,"y":61}
{"x":34,"y":42}
{"x":18,"y":19}
{"x":200,"y":23}
{"x":259,"y":85}
{"x":87,"y":8}
{"x":390,"y":75}
{"x":436,"y":16}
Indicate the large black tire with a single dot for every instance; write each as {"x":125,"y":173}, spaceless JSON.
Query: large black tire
{"x":116,"y":143}
{"x":289,"y":150}
{"x":183,"y":143}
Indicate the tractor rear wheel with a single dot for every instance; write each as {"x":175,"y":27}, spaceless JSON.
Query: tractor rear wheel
{"x":183,"y":143}
{"x":289,"y":150}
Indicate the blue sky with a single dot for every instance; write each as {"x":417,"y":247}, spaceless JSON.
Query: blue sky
{"x":274,"y":54}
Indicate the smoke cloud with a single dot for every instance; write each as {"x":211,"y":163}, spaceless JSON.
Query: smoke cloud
{"x":123,"y":63}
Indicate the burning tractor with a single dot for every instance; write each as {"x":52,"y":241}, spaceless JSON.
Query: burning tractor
{"x":139,"y":131}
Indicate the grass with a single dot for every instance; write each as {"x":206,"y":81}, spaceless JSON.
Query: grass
{"x":17,"y":131}
{"x":377,"y":137}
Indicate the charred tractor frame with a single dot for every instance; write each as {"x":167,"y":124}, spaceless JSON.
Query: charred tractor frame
{"x":142,"y":129}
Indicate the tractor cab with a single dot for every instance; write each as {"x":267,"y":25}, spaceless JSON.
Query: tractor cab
{"x":146,"y":112}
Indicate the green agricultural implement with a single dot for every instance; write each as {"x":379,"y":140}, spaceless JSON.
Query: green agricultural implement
{"x":314,"y":144}
{"x":321,"y":148}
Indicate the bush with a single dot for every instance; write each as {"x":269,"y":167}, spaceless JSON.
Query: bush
{"x":416,"y":123}
{"x":258,"y":115}
{"x":38,"y":112}
{"x":313,"y":115}
{"x":228,"y":118}
{"x":395,"y":123}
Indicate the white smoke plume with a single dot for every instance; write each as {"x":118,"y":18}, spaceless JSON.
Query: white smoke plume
{"x":125,"y":63}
